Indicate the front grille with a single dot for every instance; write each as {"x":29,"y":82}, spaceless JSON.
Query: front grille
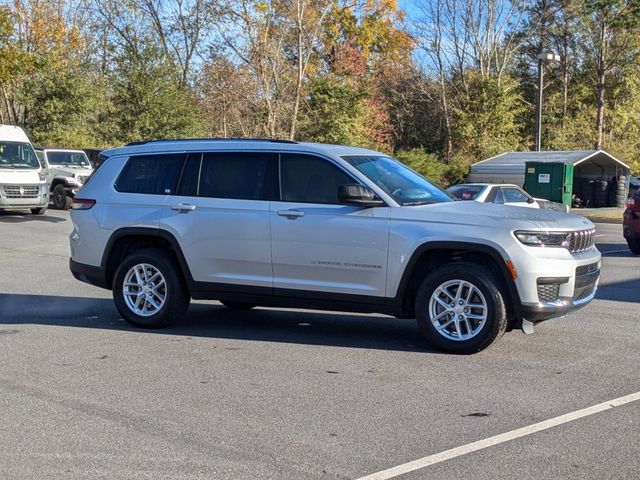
{"x":548,"y":292}
{"x":587,"y":269}
{"x":21,"y":191}
{"x":586,"y":279}
{"x":582,"y":240}
{"x":583,"y":292}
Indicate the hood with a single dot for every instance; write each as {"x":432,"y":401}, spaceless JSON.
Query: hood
{"x":14,"y":176}
{"x":491,"y":215}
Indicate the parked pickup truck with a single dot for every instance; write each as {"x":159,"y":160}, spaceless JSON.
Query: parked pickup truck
{"x":67,"y":170}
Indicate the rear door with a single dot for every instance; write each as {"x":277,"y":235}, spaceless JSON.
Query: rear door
{"x":220,"y":216}
{"x":318,"y":244}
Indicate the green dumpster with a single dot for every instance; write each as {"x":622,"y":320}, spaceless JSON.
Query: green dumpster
{"x":553,"y":181}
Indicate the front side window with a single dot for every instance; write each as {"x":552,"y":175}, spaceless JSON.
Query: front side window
{"x":17,"y":155}
{"x":398,"y":181}
{"x":233,"y":175}
{"x":514,"y":195}
{"x":70,"y":159}
{"x":152,"y":174}
{"x":309,"y":179}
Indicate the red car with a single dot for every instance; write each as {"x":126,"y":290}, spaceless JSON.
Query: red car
{"x":631,"y":223}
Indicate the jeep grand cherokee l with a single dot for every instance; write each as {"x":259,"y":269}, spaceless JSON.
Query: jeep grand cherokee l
{"x":279,"y":223}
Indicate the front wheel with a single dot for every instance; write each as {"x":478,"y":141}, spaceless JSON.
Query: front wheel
{"x":149,"y":290}
{"x":634,"y":245}
{"x":460,"y":308}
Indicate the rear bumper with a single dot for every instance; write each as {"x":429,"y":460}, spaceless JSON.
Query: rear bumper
{"x":89,"y":274}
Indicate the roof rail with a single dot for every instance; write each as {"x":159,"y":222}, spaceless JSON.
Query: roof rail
{"x":273,"y":140}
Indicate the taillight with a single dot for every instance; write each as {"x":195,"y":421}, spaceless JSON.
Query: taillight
{"x":82,"y":203}
{"x":631,"y":204}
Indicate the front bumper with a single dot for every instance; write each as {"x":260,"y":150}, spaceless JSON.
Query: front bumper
{"x":538,"y":312}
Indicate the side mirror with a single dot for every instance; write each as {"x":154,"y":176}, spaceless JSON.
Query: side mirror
{"x":358,"y":195}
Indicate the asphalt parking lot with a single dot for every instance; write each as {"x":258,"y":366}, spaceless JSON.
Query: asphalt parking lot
{"x":273,"y":394}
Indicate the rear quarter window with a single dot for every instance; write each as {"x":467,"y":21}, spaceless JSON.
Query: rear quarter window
{"x":151,"y":174}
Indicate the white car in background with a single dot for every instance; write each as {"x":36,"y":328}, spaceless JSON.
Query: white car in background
{"x":503,"y":194}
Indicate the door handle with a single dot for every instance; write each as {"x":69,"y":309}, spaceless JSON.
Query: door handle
{"x":183,"y":207}
{"x":290,"y":213}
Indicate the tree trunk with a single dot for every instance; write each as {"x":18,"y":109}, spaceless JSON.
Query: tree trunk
{"x":602,"y":72}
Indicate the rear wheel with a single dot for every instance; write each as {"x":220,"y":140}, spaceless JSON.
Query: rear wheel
{"x":460,"y":308}
{"x":60,"y":199}
{"x":38,"y":211}
{"x":148,"y":289}
{"x":634,"y":245}
{"x":238,"y":305}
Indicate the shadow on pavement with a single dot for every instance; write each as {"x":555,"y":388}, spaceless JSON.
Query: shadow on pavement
{"x":625,"y":291}
{"x":21,"y":217}
{"x":615,"y":250}
{"x":216,"y":321}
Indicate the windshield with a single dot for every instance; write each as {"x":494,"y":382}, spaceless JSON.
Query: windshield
{"x":17,"y":155}
{"x":466,"y":192}
{"x":77,"y":159}
{"x":400,"y":182}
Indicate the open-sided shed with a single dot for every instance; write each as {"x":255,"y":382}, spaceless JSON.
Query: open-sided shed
{"x":596,"y":173}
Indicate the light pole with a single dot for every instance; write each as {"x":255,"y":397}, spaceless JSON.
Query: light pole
{"x":543,"y":57}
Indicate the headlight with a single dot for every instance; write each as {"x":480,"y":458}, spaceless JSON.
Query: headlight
{"x":544,"y":239}
{"x":72,"y":181}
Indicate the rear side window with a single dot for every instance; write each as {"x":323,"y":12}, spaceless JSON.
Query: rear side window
{"x":309,"y":179}
{"x":233,"y":175}
{"x":151,"y":174}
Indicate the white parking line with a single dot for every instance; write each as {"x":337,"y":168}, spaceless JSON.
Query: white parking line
{"x":501,"y":438}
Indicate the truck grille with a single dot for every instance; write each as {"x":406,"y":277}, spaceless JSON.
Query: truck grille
{"x":21,"y":191}
{"x":582,"y":240}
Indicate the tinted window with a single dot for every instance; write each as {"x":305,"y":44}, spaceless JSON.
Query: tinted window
{"x":499,"y":198}
{"x":190,"y":173}
{"x":155,"y":174}
{"x":226,"y":175}
{"x":514,"y":195}
{"x":308,"y":179}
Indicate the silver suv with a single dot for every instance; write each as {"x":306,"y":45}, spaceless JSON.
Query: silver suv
{"x":287,"y":224}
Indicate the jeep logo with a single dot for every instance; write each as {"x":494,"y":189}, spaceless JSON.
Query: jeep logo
{"x":21,"y":191}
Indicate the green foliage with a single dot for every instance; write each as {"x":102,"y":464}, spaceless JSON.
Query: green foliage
{"x":146,"y":101}
{"x":486,"y":118}
{"x":432,"y":167}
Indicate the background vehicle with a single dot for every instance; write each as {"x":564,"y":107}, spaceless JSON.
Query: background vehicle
{"x":289,"y":224}
{"x":631,"y":223}
{"x":23,"y":182}
{"x":504,"y":194}
{"x":67,"y":170}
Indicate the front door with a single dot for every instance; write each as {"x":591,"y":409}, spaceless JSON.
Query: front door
{"x":320,"y":245}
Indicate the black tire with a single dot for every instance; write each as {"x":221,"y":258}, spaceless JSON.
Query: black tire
{"x":59,"y":198}
{"x":38,"y":211}
{"x":634,"y":245}
{"x":176,"y":295}
{"x":496,"y":314}
{"x":238,"y":305}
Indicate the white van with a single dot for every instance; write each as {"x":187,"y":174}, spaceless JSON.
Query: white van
{"x":23,"y":183}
